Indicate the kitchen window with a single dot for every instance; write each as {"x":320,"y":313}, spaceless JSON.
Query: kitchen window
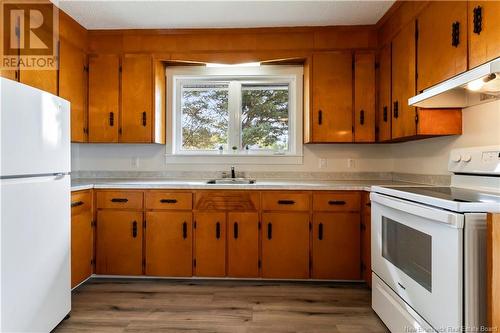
{"x":235,"y":112}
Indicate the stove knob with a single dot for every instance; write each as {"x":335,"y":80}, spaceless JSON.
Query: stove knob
{"x":466,"y":158}
{"x":456,"y":158}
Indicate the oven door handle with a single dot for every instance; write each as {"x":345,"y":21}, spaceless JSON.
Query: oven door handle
{"x":454,"y":220}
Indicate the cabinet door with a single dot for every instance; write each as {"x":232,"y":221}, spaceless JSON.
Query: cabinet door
{"x":73,"y":87}
{"x":44,"y":79}
{"x":169,"y":244}
{"x":210,"y":244}
{"x":81,"y":247}
{"x":243,"y":244}
{"x":103,"y":98}
{"x":119,"y":242}
{"x":285,"y":245}
{"x":403,"y":82}
{"x":331,"y":112}
{"x":137,"y":96}
{"x":364,"y":97}
{"x":384,"y":104}
{"x":484,"y":31}
{"x":336,"y":246}
{"x":442,"y":42}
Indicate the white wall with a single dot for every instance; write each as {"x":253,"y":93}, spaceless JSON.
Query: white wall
{"x":481,"y":126}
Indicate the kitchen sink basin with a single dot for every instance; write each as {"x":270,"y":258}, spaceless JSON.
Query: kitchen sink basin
{"x":233,"y":181}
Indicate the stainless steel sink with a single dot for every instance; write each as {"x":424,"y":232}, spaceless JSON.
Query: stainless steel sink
{"x":234,"y":181}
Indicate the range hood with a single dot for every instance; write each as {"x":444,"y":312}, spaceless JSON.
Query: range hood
{"x":479,"y":85}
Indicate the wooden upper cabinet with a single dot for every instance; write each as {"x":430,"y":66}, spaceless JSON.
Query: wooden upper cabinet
{"x":442,"y":42}
{"x":119,"y":242}
{"x":104,"y":98}
{"x":243,"y":244}
{"x":403,"y":82}
{"x":285,"y":245}
{"x":484,"y":31}
{"x":9,"y":74}
{"x":331,"y":113}
{"x":44,"y":79}
{"x":384,"y":116}
{"x":210,"y":244}
{"x":364,"y":97}
{"x":137,"y":99}
{"x":73,"y":87}
{"x":169,"y":243}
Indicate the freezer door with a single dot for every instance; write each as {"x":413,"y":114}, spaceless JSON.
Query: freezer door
{"x":34,"y":131}
{"x":35,"y":273}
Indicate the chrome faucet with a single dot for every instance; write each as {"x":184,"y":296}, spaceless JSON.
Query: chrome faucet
{"x":233,"y":173}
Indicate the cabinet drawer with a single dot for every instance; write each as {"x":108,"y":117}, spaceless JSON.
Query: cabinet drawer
{"x":81,"y":201}
{"x":119,"y":199}
{"x":169,"y":200}
{"x":337,"y":202}
{"x":285,"y":201}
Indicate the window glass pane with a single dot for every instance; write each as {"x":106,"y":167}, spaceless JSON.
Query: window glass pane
{"x":265,"y":116}
{"x":204,"y":116}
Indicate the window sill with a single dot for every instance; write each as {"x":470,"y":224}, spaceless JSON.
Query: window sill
{"x":233,"y":159}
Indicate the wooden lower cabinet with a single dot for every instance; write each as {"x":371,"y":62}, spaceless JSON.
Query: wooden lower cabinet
{"x":285,"y":245}
{"x":169,"y":244}
{"x":210,"y":244}
{"x":119,"y":242}
{"x":81,"y":237}
{"x":336,"y":247}
{"x":243,"y":244}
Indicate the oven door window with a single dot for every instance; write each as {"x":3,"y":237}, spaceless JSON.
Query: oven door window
{"x":409,"y":250}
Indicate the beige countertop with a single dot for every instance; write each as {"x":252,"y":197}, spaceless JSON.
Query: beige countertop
{"x":265,"y":184}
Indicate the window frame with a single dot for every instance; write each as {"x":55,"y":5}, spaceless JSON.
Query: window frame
{"x":236,"y":77}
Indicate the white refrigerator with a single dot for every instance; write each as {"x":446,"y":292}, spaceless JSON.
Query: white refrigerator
{"x":35,"y":292}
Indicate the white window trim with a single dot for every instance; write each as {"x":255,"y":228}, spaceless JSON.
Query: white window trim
{"x":271,"y":73}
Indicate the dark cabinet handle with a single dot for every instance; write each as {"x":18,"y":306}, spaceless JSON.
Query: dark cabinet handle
{"x":217,"y":230}
{"x":320,"y":117}
{"x":184,"y":230}
{"x":478,"y":19}
{"x":111,"y":119}
{"x":119,"y":200}
{"x":169,"y":201}
{"x":235,"y":230}
{"x":134,"y":229}
{"x":336,"y":202}
{"x":362,"y":117}
{"x":320,"y":231}
{"x":269,"y":231}
{"x":455,"y":34}
{"x":76,"y":203}
{"x":286,"y":202}
{"x":396,"y":109}
{"x":385,"y":114}
{"x":144,"y":119}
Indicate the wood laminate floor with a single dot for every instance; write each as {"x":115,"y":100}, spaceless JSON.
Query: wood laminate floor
{"x":104,"y":305}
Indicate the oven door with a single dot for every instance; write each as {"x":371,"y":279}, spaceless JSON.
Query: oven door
{"x":417,"y":252}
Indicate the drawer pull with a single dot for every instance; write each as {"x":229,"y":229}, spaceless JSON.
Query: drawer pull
{"x":320,"y":231}
{"x":478,"y":19}
{"x":320,"y":117}
{"x":269,"y":231}
{"x":134,"y":229}
{"x":235,"y":230}
{"x":385,"y":114}
{"x":111,"y":119}
{"x":77,"y":203}
{"x":144,"y":119}
{"x":336,"y":202}
{"x":455,"y":34}
{"x":119,"y":200}
{"x":217,"y":230}
{"x":169,"y":201}
{"x":184,"y":230}
{"x":395,"y":109}
{"x":286,"y":202}
{"x":362,"y":117}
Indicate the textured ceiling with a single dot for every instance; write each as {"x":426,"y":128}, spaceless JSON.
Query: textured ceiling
{"x":221,"y":14}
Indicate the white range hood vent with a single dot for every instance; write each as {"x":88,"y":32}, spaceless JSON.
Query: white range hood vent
{"x":479,"y":85}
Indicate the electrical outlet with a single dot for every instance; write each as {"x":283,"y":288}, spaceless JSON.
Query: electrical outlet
{"x":135,"y":162}
{"x":323,"y":163}
{"x":351,"y":164}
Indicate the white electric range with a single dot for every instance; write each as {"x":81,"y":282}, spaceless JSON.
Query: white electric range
{"x":429,"y":247}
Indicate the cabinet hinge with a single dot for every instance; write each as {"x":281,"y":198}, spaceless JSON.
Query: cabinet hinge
{"x":93,"y":223}
{"x":259,"y":264}
{"x":310,"y":226}
{"x":377,"y":65}
{"x":144,"y":263}
{"x":362,"y":266}
{"x":352,"y":129}
{"x":416,"y":118}
{"x":416,"y":30}
{"x":194,"y":224}
{"x":259,"y":225}
{"x":92,"y":262}
{"x":120,"y":69}
{"x":85,"y":68}
{"x":120,"y":131}
{"x":194,"y":262}
{"x":310,"y":265}
{"x":145,"y":223}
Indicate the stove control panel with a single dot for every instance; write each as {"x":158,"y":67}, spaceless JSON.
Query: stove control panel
{"x":475,"y":160}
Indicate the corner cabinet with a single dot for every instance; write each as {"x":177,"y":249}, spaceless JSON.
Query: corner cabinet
{"x":484,"y":31}
{"x":123,"y":91}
